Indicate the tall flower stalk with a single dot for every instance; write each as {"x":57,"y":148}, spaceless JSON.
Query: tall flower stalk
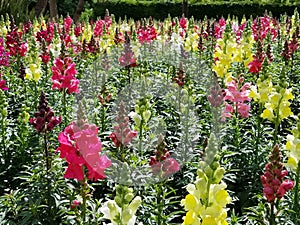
{"x":44,"y":121}
{"x":80,"y":146}
{"x":293,"y":162}
{"x":274,"y":185}
{"x":162,"y":165}
{"x":207,"y":199}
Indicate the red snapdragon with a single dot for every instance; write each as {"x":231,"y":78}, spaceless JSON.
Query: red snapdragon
{"x":63,"y":75}
{"x":44,"y":120}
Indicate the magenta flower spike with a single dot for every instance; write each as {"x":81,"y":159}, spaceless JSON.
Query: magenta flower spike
{"x":272,"y":179}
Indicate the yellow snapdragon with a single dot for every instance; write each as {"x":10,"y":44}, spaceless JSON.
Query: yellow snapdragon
{"x":229,"y":52}
{"x":207,"y":198}
{"x":278,"y":106}
{"x":191,"y":42}
{"x":293,"y":148}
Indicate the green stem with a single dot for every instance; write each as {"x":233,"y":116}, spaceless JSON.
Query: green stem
{"x":103,"y":119}
{"x":275,"y":134}
{"x":258,"y":133}
{"x":83,"y":195}
{"x":237,"y":129}
{"x":64,"y":108}
{"x":46,"y":153}
{"x":141,"y":133}
{"x":160,"y":204}
{"x":3,"y":137}
{"x":272,"y":216}
{"x":296,"y":201}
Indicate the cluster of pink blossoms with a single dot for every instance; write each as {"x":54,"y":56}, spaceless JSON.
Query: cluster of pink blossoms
{"x":4,"y":61}
{"x":81,"y":147}
{"x":63,"y":75}
{"x":127,"y":58}
{"x":272,"y":179}
{"x":146,"y":34}
{"x":263,"y":26}
{"x":122,"y":134}
{"x":239,"y":97}
{"x":162,"y":164}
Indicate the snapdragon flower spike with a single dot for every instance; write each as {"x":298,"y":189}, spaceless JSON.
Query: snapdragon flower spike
{"x":180,"y":76}
{"x":44,"y":120}
{"x":80,"y":146}
{"x":14,"y":44}
{"x":216,"y":97}
{"x":219,"y":28}
{"x":162,"y":164}
{"x":127,"y":58}
{"x":239,"y":97}
{"x":63,"y":75}
{"x":4,"y":56}
{"x":146,"y":34}
{"x":3,"y":86}
{"x":122,"y":134}
{"x":272,"y":179}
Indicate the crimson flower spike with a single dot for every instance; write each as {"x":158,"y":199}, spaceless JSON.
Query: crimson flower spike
{"x":44,"y":120}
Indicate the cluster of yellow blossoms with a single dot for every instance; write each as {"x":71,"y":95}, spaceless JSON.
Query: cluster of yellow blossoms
{"x":228,"y":52}
{"x":275,"y":99}
{"x":205,"y":204}
{"x":293,"y":148}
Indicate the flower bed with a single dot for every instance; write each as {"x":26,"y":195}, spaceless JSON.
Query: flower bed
{"x":150,"y":122}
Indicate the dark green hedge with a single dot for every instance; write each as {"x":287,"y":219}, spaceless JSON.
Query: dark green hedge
{"x":161,"y":11}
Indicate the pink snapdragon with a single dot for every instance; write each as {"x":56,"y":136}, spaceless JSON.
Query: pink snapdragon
{"x":127,"y":58}
{"x":162,"y":163}
{"x":63,"y":75}
{"x":122,"y":134}
{"x":80,"y":146}
{"x":263,"y":26}
{"x":3,"y":86}
{"x":219,"y":28}
{"x":272,"y":179}
{"x":4,"y":56}
{"x":147,"y":34}
{"x":237,"y":98}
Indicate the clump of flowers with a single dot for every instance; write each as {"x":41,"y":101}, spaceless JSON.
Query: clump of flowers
{"x":3,"y":86}
{"x":162,"y":163}
{"x":4,"y":56}
{"x":14,"y":44}
{"x":207,"y":199}
{"x":122,"y":134}
{"x":180,"y":76}
{"x":272,"y":179}
{"x":277,"y":107}
{"x":146,"y":34}
{"x":122,"y":210}
{"x":63,"y":75}
{"x":44,"y":120}
{"x":229,"y":52}
{"x":81,"y":147}
{"x":127,"y":58}
{"x":293,"y":148}
{"x":238,"y":96}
